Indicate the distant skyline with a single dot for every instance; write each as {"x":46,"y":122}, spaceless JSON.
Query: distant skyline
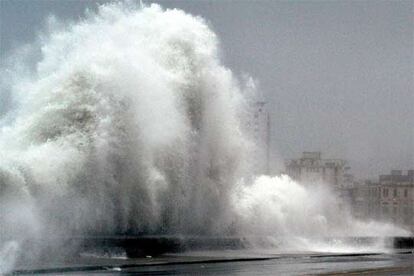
{"x":338,"y":75}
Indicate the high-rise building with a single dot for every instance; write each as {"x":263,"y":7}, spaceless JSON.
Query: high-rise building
{"x":259,"y":127}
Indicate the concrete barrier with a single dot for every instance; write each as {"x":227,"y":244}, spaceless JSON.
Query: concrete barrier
{"x":403,"y":242}
{"x":139,"y":246}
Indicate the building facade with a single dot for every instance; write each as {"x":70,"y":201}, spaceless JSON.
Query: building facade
{"x":397,"y":197}
{"x":391,"y":199}
{"x":312,"y":168}
{"x":365,"y":200}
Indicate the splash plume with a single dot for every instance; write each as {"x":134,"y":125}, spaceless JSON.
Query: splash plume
{"x":129,"y":124}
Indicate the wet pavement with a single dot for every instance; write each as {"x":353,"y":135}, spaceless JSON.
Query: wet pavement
{"x":237,"y":262}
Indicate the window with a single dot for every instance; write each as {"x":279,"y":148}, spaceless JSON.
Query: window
{"x":385,"y":193}
{"x":395,"y":192}
{"x":405,"y":192}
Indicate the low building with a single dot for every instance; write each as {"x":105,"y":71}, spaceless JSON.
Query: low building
{"x":397,"y":197}
{"x":390,"y":199}
{"x":365,"y":200}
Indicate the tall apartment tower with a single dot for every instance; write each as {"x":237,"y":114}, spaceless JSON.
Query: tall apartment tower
{"x":260,"y":129}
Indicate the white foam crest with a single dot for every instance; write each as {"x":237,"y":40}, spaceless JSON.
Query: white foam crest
{"x":8,"y":256}
{"x":302,"y":216}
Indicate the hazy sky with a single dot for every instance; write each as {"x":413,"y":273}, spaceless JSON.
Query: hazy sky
{"x":338,"y":75}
